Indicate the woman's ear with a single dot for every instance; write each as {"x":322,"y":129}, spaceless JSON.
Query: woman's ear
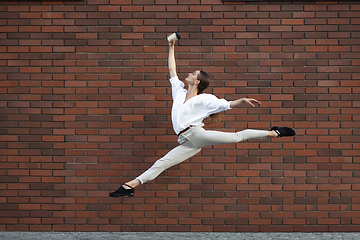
{"x":197,"y":82}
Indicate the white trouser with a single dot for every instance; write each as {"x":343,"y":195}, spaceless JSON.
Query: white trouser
{"x":191,"y":143}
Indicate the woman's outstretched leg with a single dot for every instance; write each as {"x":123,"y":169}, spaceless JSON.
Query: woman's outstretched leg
{"x":202,"y":137}
{"x":175,"y":156}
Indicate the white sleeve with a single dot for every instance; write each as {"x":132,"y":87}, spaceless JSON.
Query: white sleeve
{"x":214,"y":105}
{"x":177,"y":86}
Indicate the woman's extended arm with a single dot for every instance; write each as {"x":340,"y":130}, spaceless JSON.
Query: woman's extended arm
{"x":238,"y":102}
{"x":172,"y":64}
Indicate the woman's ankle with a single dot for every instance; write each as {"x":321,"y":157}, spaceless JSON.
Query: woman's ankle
{"x":133,"y":184}
{"x":272,"y":134}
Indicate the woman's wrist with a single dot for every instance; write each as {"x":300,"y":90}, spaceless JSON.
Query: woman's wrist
{"x":236,"y":102}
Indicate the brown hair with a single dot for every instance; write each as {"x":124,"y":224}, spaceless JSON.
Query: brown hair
{"x":204,"y":79}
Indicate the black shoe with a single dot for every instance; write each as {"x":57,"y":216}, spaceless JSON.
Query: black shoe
{"x":123,"y":192}
{"x":283,"y":131}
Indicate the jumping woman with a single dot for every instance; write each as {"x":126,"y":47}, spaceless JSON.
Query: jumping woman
{"x":190,"y":107}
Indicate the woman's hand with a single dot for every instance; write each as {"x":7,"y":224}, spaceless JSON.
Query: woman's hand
{"x":172,"y":43}
{"x":250,"y":101}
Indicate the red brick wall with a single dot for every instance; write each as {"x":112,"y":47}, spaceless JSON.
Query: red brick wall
{"x":85,"y":105}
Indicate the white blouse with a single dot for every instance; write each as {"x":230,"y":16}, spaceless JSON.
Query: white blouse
{"x":194,"y":110}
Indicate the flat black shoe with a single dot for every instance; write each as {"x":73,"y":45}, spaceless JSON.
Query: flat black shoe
{"x":123,"y":192}
{"x":283,"y":131}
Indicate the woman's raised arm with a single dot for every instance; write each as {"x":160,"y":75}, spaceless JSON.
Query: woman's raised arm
{"x":172,"y":64}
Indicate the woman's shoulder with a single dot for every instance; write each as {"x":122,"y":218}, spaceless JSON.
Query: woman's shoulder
{"x":174,"y":79}
{"x":207,"y":96}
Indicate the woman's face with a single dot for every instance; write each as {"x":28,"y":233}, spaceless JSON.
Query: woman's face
{"x":192,"y":78}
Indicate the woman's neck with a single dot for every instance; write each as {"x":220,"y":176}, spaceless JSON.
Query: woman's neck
{"x":191,"y":92}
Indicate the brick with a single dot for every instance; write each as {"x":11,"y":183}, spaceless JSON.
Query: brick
{"x":112,"y":104}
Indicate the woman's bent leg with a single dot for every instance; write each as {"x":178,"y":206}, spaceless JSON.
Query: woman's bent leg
{"x":175,"y":156}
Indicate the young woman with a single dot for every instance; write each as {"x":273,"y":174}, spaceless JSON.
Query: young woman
{"x":190,"y":108}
